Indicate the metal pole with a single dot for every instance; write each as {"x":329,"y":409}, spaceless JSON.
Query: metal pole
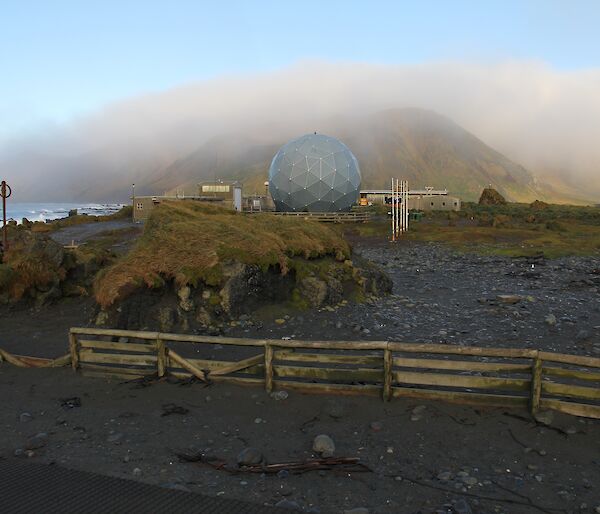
{"x":5,"y":192}
{"x":392,"y":208}
{"x":132,"y":202}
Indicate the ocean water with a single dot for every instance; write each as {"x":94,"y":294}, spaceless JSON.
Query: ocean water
{"x":52,"y":211}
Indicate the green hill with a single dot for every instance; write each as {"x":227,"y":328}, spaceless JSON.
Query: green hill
{"x":418,"y":145}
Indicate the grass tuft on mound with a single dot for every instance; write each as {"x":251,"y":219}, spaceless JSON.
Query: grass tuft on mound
{"x":189,"y":242}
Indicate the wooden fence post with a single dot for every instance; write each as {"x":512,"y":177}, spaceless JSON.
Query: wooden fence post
{"x":536,"y":385}
{"x":268,"y":368}
{"x":161,"y":360}
{"x":74,"y":351}
{"x":387,"y":374}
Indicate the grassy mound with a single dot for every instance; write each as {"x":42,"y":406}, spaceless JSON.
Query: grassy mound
{"x":189,"y":243}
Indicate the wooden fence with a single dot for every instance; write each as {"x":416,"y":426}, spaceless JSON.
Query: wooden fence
{"x":485,"y":376}
{"x":330,"y":217}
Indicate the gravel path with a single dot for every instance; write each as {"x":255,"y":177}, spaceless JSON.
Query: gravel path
{"x":86,"y":231}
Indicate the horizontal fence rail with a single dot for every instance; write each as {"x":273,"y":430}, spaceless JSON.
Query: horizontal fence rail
{"x":329,"y":217}
{"x":502,"y":377}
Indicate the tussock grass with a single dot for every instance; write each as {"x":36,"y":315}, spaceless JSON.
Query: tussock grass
{"x":189,"y":242}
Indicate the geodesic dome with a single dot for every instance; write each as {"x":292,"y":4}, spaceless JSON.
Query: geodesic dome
{"x":314,"y":173}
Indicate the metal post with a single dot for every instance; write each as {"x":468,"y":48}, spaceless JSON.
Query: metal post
{"x":133,"y":202}
{"x":392,"y":208}
{"x":5,"y":192}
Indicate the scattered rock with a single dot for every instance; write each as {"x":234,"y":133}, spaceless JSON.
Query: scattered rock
{"x":288,"y":504}
{"x":545,"y":417}
{"x":324,"y":445}
{"x":376,"y":426}
{"x":279,"y":395}
{"x":37,"y":441}
{"x":25,"y":417}
{"x":279,"y":321}
{"x":462,"y":507}
{"x":137,"y":472}
{"x":445,"y":476}
{"x":550,"y":320}
{"x":357,"y":510}
{"x":249,"y":457}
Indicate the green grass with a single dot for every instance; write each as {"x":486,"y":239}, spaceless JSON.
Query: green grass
{"x":191,"y":242}
{"x":506,"y":230}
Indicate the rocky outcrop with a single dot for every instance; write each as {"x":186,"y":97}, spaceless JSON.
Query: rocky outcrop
{"x":490,"y":196}
{"x":244,"y":289}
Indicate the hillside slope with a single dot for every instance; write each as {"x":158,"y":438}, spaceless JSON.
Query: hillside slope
{"x":421,"y":146}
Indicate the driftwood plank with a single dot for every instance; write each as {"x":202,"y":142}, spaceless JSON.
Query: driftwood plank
{"x":575,"y":409}
{"x":126,"y":347}
{"x":350,"y":375}
{"x":465,"y":398}
{"x":462,"y":365}
{"x":589,"y":393}
{"x":438,"y":379}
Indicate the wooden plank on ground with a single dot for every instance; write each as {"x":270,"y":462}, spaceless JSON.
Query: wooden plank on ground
{"x":589,"y":393}
{"x":575,"y":409}
{"x":498,"y":367}
{"x":439,"y":379}
{"x":126,"y":347}
{"x":466,"y":398}
{"x":330,"y":374}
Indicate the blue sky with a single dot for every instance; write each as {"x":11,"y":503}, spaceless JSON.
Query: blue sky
{"x":61,"y":59}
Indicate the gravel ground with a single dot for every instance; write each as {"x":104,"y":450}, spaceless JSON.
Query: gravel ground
{"x":422,"y":457}
{"x":444,"y":297}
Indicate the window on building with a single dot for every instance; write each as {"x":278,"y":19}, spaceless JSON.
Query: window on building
{"x":444,"y":204}
{"x":215,"y":188}
{"x":455,"y":204}
{"x":140,"y":205}
{"x":432,"y":204}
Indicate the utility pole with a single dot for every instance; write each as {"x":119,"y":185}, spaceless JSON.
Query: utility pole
{"x":133,"y":202}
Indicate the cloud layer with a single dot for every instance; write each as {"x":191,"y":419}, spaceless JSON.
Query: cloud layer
{"x":545,"y":119}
